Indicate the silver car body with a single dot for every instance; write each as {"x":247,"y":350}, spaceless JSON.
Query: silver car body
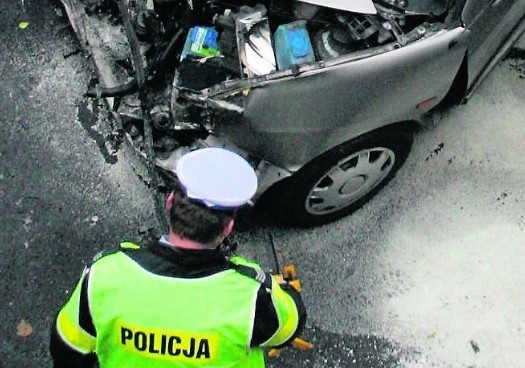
{"x":291,"y":119}
{"x":284,"y":119}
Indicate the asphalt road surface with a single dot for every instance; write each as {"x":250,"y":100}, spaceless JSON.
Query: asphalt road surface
{"x":63,"y":196}
{"x":428,"y":274}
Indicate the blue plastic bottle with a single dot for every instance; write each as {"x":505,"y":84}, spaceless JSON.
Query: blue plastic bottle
{"x":292,"y":45}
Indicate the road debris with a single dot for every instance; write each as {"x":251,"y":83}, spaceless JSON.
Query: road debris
{"x":517,"y":63}
{"x":435,"y":151}
{"x":24,"y":328}
{"x":475,"y":346}
{"x":93,"y":220}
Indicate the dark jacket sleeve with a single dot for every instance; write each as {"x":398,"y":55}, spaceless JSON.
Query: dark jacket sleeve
{"x":280,"y":319}
{"x":72,"y":341}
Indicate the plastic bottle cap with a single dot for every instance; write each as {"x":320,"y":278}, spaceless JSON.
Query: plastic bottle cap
{"x":298,"y":43}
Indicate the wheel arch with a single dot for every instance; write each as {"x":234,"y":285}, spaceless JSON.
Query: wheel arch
{"x":267,"y":199}
{"x":406,"y":126}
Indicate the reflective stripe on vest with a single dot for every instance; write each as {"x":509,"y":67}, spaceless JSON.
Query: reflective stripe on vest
{"x":69,"y":327}
{"x":146,"y":320}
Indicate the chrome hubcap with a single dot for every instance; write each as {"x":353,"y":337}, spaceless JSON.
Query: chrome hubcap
{"x":349,"y":180}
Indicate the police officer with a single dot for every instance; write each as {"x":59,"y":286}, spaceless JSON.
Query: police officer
{"x":181,"y":302}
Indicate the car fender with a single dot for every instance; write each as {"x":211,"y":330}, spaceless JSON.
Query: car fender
{"x":293,"y":120}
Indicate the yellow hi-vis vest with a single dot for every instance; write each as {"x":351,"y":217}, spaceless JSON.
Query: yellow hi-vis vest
{"x":144,"y":320}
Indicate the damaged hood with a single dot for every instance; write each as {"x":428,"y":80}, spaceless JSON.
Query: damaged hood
{"x":356,"y":6}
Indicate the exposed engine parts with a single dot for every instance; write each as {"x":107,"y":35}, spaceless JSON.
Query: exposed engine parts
{"x":200,"y":56}
{"x":392,"y":10}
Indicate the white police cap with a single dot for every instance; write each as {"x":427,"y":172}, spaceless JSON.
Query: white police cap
{"x":217,"y":177}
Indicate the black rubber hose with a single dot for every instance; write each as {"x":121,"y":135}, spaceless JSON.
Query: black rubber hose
{"x":117,"y":91}
{"x":160,"y":62}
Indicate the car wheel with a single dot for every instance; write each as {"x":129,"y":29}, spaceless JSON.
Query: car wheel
{"x":342,"y":179}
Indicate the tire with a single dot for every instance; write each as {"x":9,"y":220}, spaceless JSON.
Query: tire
{"x":341,"y":180}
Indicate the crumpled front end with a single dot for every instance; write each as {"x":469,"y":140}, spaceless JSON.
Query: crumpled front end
{"x":270,"y":79}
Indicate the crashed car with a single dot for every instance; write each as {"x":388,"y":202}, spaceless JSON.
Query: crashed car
{"x":320,"y":96}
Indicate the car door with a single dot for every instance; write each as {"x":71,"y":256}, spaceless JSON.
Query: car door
{"x":491,"y":22}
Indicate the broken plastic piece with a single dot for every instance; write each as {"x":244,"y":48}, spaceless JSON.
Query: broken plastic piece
{"x":355,"y":6}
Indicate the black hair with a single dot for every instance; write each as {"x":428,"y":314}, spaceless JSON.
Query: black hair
{"x":195,"y":221}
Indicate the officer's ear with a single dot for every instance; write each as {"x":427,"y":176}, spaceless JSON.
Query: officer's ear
{"x":228,"y":228}
{"x":169,"y":202}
